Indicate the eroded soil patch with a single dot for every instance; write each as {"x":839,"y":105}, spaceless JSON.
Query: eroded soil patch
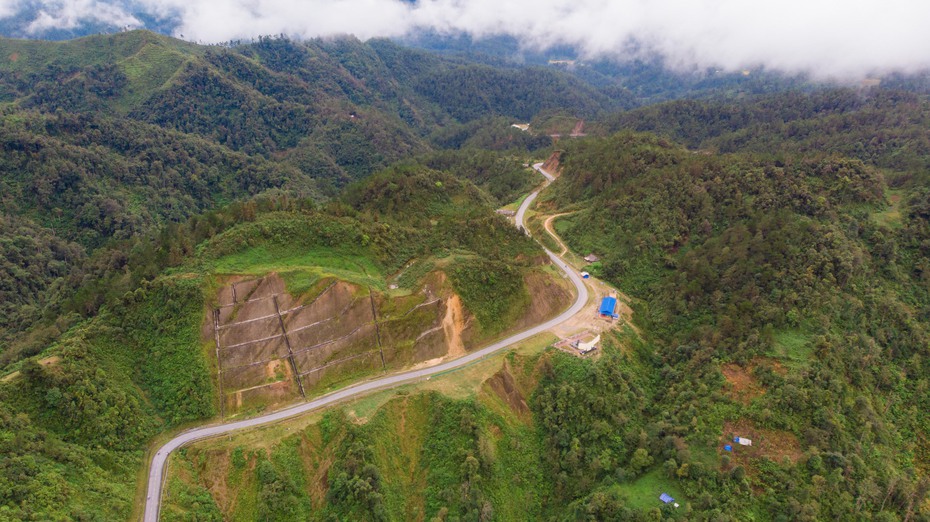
{"x":742,"y":385}
{"x":503,"y":385}
{"x":774,"y":445}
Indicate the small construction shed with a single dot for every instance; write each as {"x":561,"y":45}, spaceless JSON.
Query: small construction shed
{"x":608,"y":307}
{"x":666,"y":498}
{"x":588,"y":346}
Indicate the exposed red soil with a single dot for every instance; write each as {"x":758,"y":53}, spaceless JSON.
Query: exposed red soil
{"x":775,"y":445}
{"x":551,"y":165}
{"x":453,"y":324}
{"x":742,"y":384}
{"x":504,"y":386}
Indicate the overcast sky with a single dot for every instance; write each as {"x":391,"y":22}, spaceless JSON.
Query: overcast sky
{"x":845,"y":38}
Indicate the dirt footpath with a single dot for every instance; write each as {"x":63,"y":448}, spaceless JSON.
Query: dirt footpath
{"x":548,"y":225}
{"x":589,"y":319}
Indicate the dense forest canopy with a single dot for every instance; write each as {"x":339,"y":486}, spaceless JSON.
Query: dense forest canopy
{"x":787,"y":263}
{"x":111,"y":137}
{"x":764,"y":228}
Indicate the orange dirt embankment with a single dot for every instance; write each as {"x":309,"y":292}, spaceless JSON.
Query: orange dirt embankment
{"x":579,"y":129}
{"x":453,"y":324}
{"x":551,"y":165}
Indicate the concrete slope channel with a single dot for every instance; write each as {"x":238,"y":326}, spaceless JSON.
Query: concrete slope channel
{"x":156,"y":474}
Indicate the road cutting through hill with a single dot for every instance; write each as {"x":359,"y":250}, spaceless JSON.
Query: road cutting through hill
{"x":156,"y":474}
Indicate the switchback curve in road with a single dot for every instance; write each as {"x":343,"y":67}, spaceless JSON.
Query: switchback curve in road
{"x":160,"y":458}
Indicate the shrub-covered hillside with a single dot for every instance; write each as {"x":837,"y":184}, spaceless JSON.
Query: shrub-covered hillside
{"x":80,"y":401}
{"x":882,"y":127}
{"x":113,"y":137}
{"x":779,"y":300}
{"x":784,"y":297}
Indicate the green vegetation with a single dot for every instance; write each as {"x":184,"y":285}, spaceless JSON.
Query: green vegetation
{"x":882,"y":127}
{"x":113,"y":138}
{"x":736,"y":258}
{"x":493,"y":291}
{"x":504,"y":179}
{"x":453,"y":458}
{"x":82,"y":413}
{"x":140,"y":365}
{"x":778,"y":272}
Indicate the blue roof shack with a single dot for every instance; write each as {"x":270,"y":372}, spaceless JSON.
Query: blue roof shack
{"x":609,"y":307}
{"x":666,"y":498}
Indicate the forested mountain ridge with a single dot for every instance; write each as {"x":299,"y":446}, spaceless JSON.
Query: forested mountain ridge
{"x":335,"y":108}
{"x":110,"y":137}
{"x":75,"y":419}
{"x":798,"y":270}
{"x":775,"y":249}
{"x":883,"y":127}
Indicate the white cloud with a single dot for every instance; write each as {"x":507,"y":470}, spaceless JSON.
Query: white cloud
{"x":822,"y":37}
{"x":8,"y":8}
{"x":68,"y":14}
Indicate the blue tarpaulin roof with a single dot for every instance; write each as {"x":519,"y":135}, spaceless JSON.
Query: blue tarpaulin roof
{"x":608,"y":305}
{"x":665,"y":497}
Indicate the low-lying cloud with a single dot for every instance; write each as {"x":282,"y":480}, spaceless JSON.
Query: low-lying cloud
{"x":842,"y":38}
{"x":69,"y":14}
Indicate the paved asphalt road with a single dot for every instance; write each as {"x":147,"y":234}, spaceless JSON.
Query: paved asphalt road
{"x":159,"y":460}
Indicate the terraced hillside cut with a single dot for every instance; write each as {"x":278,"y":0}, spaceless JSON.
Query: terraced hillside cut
{"x":274,"y":348}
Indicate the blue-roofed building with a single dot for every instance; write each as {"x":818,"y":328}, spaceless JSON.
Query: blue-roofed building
{"x":666,"y":498}
{"x":609,"y":307}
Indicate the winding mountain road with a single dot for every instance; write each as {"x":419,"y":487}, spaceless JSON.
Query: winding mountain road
{"x":160,"y":458}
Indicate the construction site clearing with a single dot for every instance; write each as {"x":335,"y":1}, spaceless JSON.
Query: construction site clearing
{"x":584,"y":343}
{"x":582,"y":334}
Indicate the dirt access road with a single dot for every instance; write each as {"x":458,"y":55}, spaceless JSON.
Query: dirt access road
{"x":156,"y":475}
{"x":548,"y":225}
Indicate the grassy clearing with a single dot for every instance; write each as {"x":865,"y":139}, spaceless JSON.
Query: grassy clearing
{"x":413,"y":273}
{"x":643,"y":493}
{"x":299,"y":282}
{"x":147,"y":71}
{"x":793,"y":348}
{"x":891,"y":216}
{"x":303,"y":265}
{"x":563,"y":224}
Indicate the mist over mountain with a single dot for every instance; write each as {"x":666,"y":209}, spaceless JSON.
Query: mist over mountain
{"x":828,"y":40}
{"x":196,"y":234}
